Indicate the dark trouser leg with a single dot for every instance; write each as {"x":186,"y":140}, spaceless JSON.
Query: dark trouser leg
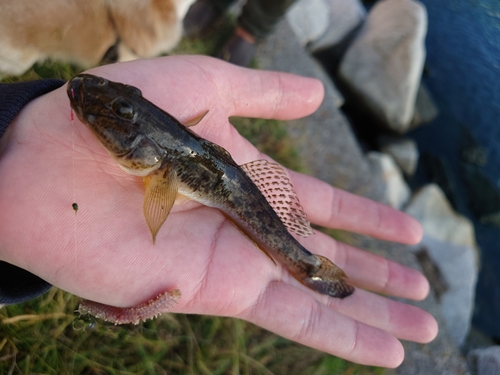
{"x":259,"y":17}
{"x":202,"y":14}
{"x":222,"y":5}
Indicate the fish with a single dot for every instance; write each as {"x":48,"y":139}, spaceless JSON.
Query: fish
{"x":257,"y":197}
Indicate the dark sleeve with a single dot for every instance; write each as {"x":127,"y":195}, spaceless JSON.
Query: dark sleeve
{"x":16,"y":284}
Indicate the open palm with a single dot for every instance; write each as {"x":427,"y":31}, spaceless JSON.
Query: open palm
{"x":104,"y":252}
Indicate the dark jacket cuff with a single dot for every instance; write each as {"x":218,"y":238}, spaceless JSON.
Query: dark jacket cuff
{"x":16,"y":284}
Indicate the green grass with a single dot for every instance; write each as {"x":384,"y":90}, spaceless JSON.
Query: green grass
{"x":209,"y":43}
{"x":270,"y":137}
{"x":48,"y":69}
{"x":41,"y":336}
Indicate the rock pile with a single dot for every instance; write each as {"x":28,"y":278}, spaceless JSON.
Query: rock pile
{"x":380,"y":68}
{"x":450,"y":244}
{"x":383,"y":65}
{"x":485,"y":361}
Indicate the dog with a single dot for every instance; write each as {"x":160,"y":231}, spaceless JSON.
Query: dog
{"x":82,"y":31}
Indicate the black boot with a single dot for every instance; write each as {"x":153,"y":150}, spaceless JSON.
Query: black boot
{"x":240,"y":49}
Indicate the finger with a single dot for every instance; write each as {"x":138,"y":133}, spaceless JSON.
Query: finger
{"x":271,"y":95}
{"x":370,"y":271}
{"x":335,"y":208}
{"x":297,"y":316}
{"x":257,"y":93}
{"x":364,"y":269}
{"x":213,"y":83}
{"x":399,"y":319}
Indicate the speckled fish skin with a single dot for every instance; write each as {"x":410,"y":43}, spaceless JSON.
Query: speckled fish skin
{"x":145,"y":140}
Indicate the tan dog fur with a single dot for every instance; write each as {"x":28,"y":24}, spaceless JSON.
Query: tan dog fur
{"x":81,"y":31}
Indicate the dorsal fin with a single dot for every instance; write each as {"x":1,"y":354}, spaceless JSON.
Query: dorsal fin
{"x":222,"y":150}
{"x":274,"y":184}
{"x":196,"y":120}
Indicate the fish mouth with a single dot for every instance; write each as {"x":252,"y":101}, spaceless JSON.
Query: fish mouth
{"x":76,"y":89}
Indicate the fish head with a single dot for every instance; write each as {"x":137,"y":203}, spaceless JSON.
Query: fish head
{"x":109,"y":110}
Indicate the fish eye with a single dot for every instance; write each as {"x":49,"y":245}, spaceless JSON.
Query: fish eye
{"x":123,"y":108}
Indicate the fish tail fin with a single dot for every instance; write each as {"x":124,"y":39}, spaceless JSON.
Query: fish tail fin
{"x":329,"y":279}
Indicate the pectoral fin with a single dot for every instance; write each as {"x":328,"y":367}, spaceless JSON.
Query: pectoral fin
{"x":274,"y":184}
{"x":161,"y":191}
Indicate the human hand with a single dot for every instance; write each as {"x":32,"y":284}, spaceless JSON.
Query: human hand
{"x":104,"y":252}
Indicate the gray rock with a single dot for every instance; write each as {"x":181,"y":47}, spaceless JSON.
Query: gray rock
{"x":344,"y":17}
{"x":450,"y":242}
{"x":384,"y":64}
{"x":324,"y":140}
{"x":309,"y":19}
{"x":425,"y":108}
{"x":397,"y":192}
{"x":281,"y":51}
{"x":331,"y":153}
{"x":438,"y":219}
{"x":458,"y":268}
{"x":477,"y":339}
{"x":440,"y":172}
{"x":485,"y":361}
{"x":441,"y":356}
{"x":403,"y":150}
